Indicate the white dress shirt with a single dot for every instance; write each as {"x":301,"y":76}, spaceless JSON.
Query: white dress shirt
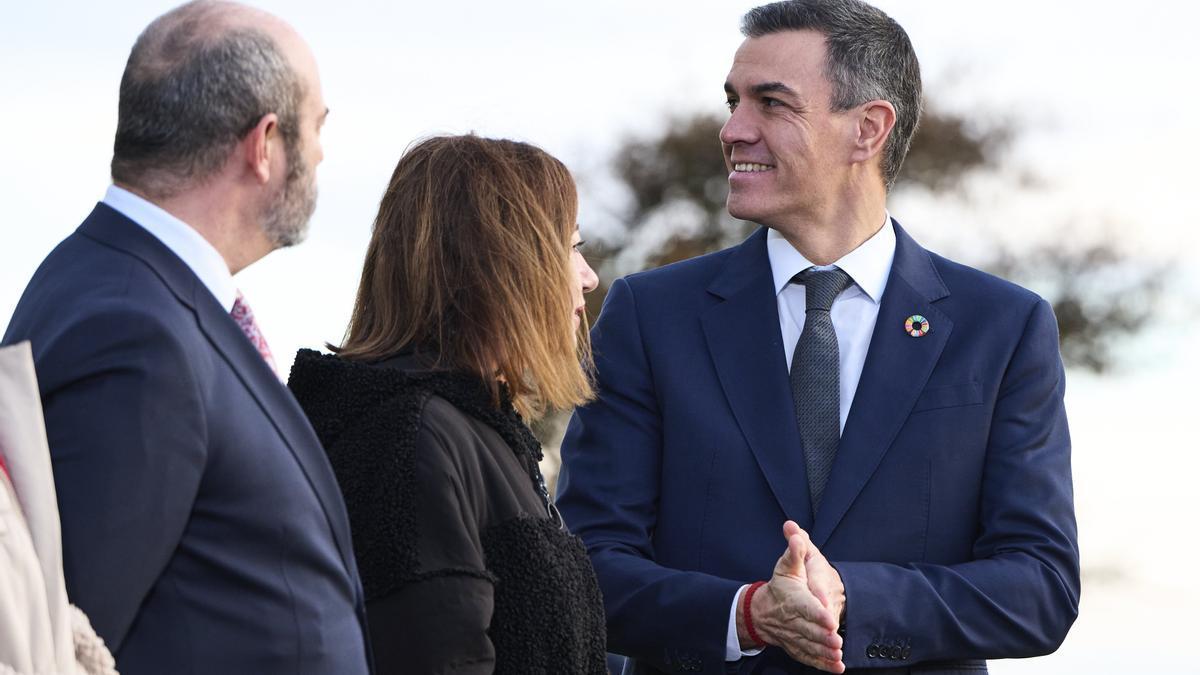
{"x":185,"y":242}
{"x":853,"y":313}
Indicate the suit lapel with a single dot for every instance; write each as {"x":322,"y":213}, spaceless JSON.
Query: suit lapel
{"x":747,"y":351}
{"x":282,"y":410}
{"x":114,"y":229}
{"x":894,"y":374}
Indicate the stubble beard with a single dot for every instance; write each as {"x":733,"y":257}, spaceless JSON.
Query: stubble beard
{"x":285,"y":220}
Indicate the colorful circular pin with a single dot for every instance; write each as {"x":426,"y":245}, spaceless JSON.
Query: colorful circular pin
{"x":916,"y":325}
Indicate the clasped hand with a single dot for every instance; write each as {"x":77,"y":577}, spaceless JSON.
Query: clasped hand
{"x":800,"y":608}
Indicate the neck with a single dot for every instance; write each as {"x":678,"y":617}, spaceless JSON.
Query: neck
{"x":221,"y":218}
{"x":836,"y":228}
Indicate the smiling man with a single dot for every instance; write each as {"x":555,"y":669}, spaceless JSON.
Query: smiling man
{"x":891,"y":421}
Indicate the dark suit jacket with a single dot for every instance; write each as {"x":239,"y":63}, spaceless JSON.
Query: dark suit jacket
{"x":948,"y":512}
{"x":203,"y":531}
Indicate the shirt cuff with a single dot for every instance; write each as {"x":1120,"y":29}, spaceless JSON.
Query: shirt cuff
{"x":733,"y":646}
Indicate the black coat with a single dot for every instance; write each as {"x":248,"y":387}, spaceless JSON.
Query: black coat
{"x":463,"y":569}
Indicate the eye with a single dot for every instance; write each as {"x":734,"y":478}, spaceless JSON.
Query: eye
{"x":578,"y":246}
{"x":769,"y":102}
{"x":731,"y":104}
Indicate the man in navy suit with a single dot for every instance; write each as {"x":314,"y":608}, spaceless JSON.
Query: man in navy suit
{"x":203,"y":530}
{"x":891,"y":420}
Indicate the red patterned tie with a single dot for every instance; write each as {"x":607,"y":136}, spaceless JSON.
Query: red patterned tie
{"x":245,"y":320}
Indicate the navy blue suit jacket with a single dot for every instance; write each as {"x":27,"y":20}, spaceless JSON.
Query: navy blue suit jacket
{"x":203,"y":530}
{"x":948,"y":512}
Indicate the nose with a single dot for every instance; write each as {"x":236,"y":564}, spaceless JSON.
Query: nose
{"x":587,"y":276}
{"x":739,"y":128}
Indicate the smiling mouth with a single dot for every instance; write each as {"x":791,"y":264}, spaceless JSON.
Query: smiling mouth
{"x":751,"y":167}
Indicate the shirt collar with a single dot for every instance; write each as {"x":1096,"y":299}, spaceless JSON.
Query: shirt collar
{"x":869,"y":265}
{"x":184,"y":241}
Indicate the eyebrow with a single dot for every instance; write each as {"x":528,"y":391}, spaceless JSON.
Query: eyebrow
{"x":773,"y":88}
{"x":766,"y":88}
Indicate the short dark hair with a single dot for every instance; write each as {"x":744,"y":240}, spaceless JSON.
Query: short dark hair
{"x":191,"y":89}
{"x":868,"y":57}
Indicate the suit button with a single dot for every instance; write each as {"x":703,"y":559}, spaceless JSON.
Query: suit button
{"x":873,"y":651}
{"x":906,"y":652}
{"x":894,"y":652}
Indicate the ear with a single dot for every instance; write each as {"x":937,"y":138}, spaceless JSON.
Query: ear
{"x":257,"y":145}
{"x":875,"y":122}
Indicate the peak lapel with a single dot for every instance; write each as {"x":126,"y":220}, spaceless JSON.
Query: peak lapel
{"x":747,"y":351}
{"x":894,"y":374}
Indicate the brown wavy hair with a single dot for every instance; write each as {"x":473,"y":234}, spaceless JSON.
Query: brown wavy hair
{"x":470,"y":262}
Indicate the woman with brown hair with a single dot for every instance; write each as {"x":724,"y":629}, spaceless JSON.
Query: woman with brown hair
{"x":469,"y":320}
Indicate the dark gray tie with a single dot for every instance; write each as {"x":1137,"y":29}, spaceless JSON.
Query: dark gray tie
{"x":815,"y":381}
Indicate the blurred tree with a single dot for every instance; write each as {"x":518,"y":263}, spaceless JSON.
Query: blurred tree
{"x":947,"y":149}
{"x":1099,"y":295}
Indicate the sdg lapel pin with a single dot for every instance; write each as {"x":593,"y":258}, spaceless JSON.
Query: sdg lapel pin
{"x":916,"y":325}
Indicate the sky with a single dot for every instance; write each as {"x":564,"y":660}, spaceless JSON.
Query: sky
{"x":1105,"y":94}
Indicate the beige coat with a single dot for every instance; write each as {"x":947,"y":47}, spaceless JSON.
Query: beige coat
{"x":41,"y":633}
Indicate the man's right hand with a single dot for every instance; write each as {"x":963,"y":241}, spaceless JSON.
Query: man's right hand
{"x":788,"y":615}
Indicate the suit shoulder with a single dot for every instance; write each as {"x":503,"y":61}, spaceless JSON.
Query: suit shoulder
{"x":974,"y":285}
{"x":81,"y":273}
{"x":691,"y":273}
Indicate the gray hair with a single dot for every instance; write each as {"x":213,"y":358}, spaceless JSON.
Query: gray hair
{"x":868,"y":57}
{"x":192,"y":88}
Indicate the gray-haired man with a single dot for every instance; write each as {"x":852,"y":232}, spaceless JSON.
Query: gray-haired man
{"x":203,"y":530}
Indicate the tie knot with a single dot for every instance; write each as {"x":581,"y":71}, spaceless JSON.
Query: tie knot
{"x":821,"y":287}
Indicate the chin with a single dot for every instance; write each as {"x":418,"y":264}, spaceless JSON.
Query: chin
{"x":742,"y":211}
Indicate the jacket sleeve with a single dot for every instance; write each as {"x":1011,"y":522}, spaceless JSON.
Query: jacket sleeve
{"x":609,"y":495}
{"x":127,"y":433}
{"x":1019,"y":594}
{"x":437,"y":619}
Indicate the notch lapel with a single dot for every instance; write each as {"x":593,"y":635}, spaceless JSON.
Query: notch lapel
{"x":282,"y":410}
{"x":747,"y":351}
{"x":111,"y":228}
{"x":894,"y":374}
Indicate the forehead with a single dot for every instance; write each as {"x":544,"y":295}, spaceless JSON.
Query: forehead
{"x":795,"y":58}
